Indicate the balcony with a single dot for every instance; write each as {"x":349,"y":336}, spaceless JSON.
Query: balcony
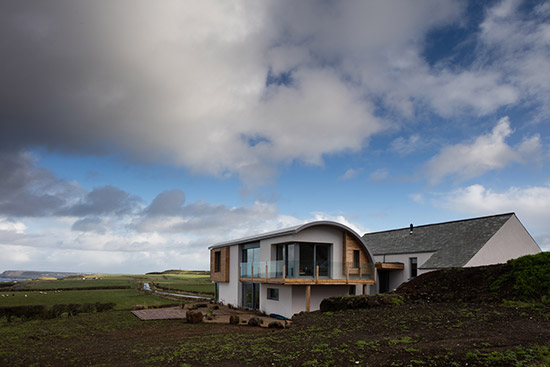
{"x":279,"y":272}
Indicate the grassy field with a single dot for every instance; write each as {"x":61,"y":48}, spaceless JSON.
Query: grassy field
{"x":123,"y":298}
{"x":40,"y":292}
{"x":183,"y":281}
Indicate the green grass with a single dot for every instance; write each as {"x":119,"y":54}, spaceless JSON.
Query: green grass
{"x":194,"y":283}
{"x":123,"y":298}
{"x":76,"y":283}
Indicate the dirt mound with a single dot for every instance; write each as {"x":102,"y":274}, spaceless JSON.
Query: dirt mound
{"x":460,"y":284}
{"x":526,"y":278}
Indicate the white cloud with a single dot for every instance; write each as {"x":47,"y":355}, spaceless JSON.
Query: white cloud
{"x":405,"y":146}
{"x":485,"y":153}
{"x":339,"y":219}
{"x":518,"y":44}
{"x":349,"y":174}
{"x":379,"y":175}
{"x":12,"y":226}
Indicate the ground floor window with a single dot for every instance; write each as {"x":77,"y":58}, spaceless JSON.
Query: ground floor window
{"x":251,"y":295}
{"x":273,"y":294}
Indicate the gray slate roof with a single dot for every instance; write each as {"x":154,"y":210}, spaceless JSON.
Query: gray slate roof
{"x":454,"y":243}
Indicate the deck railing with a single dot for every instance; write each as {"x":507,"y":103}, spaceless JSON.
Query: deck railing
{"x":293,"y":270}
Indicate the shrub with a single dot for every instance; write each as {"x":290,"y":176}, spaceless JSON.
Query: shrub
{"x":530,"y":276}
{"x":41,"y":311}
{"x":24,"y":312}
{"x":102,"y":307}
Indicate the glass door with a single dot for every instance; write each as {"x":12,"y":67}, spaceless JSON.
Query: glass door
{"x":251,"y":296}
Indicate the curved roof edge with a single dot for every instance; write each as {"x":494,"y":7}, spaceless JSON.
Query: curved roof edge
{"x":294,"y":230}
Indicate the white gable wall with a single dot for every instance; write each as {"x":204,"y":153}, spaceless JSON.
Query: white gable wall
{"x":511,"y":241}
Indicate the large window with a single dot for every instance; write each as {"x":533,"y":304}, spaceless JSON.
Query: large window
{"x":302,"y":259}
{"x":413,"y":262}
{"x":250,"y":260}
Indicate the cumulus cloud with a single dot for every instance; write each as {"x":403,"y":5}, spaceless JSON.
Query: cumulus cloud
{"x":26,"y":190}
{"x":486,"y":153}
{"x":103,"y":200}
{"x":235,"y":88}
{"x":515,"y":42}
{"x":167,"y":203}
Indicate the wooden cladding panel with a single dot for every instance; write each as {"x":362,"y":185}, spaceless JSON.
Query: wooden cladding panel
{"x":222,"y":275}
{"x":349,"y":245}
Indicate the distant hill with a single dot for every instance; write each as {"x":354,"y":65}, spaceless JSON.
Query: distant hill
{"x":25,"y":274}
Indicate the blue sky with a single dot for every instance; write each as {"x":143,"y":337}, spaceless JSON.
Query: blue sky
{"x":136,"y":134}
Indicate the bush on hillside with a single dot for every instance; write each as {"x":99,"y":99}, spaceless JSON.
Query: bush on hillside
{"x":530,"y":276}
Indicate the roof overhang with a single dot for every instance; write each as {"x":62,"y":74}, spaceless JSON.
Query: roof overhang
{"x":390,"y":266}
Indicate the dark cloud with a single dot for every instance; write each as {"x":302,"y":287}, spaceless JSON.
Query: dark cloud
{"x":29,"y":191}
{"x":168,"y":202}
{"x":205,"y":218}
{"x":104,"y":201}
{"x":91,"y":224}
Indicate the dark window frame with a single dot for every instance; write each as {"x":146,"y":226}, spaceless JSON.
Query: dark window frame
{"x":413,"y":263}
{"x":356,"y":258}
{"x":217,"y":261}
{"x":273,"y":294}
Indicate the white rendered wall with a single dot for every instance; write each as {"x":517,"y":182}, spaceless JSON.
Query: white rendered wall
{"x":281,"y":307}
{"x":318,"y":294}
{"x":229,"y":292}
{"x":511,"y":241}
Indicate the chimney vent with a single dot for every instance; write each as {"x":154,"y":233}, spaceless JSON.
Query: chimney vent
{"x":411,"y":232}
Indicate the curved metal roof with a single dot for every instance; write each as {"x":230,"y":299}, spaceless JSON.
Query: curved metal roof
{"x":291,"y":231}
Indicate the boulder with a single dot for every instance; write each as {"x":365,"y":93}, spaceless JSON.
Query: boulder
{"x":275,"y":325}
{"x":254,"y":321}
{"x":234,"y":319}
{"x":194,"y":317}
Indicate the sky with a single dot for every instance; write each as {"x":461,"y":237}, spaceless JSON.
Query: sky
{"x":134,"y":134}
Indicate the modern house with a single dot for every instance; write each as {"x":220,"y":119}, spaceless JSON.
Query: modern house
{"x":402,"y":254}
{"x":292,"y":269}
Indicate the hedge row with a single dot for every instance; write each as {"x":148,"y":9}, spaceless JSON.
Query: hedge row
{"x":42,"y":312}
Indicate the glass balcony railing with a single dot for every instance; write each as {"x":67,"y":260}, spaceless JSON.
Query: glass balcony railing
{"x":293,"y":270}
